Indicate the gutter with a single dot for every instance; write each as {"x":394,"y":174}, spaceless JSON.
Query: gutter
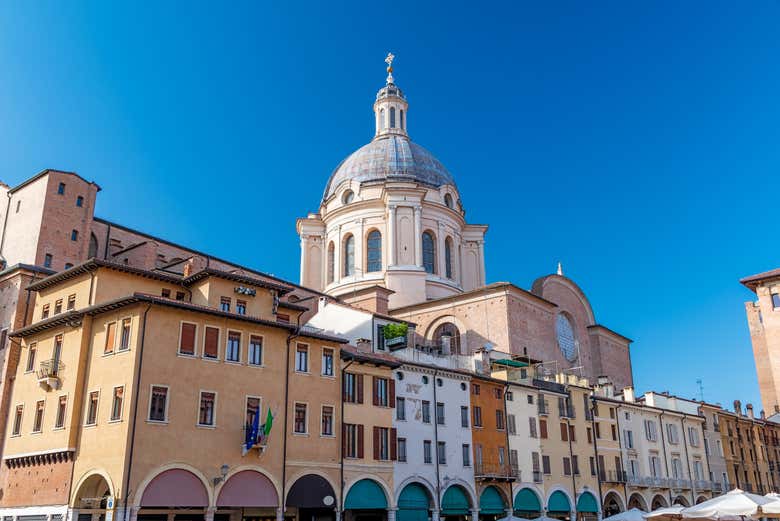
{"x":620,"y":446}
{"x":5,"y":221}
{"x":508,"y":450}
{"x":436,"y":443}
{"x":290,"y":337}
{"x":688,"y":461}
{"x":596,"y":451}
{"x":108,"y":240}
{"x":666,"y":462}
{"x":341,"y":445}
{"x":571,"y":460}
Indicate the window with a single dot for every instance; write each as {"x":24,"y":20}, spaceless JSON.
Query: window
{"x":61,"y":189}
{"x":302,"y":358}
{"x":327,"y":421}
{"x":252,"y":410}
{"x":572,"y":433}
{"x":92,"y":407}
{"x":497,"y":394}
{"x":510,"y":424}
{"x":402,"y":450}
{"x":58,"y":306}
{"x":501,"y":456}
{"x":74,"y":235}
{"x":187,"y":339}
{"x":38,"y":420}
{"x":57,"y":351}
{"x":477,"y":416}
{"x":179,"y":295}
{"x":165,"y":293}
{"x":509,"y":396}
{"x":382,"y":118}
{"x":31,"y":358}
{"x":79,"y":201}
{"x":427,"y":455}
{"x":546,"y":464}
{"x":613,"y":428}
{"x":353,"y":388}
{"x":513,"y":459}
{"x":206,"y":414}
{"x":18,"y":420}
{"x":353,"y":440}
{"x":400,"y":409}
{"x":349,"y":255}
{"x":566,"y":466}
{"x":45,"y":311}
{"x":530,"y":399}
{"x":300,"y":420}
{"x":441,"y":452}
{"x":331,"y":261}
{"x":47,"y":260}
{"x":598,"y":431}
{"x":18,"y":205}
{"x":464,"y":416}
{"x":429,"y":252}
{"x":62,"y":405}
{"x":392,"y":117}
{"x":282,"y":318}
{"x":224,"y":304}
{"x":402,"y":118}
{"x":241,"y":307}
{"x":348,"y":197}
{"x":211,"y":343}
{"x":327,"y":362}
{"x":440,"y":413}
{"x":671,"y":431}
{"x":110,"y":338}
{"x":775,"y":300}
{"x":71,"y":302}
{"x":426,"y":411}
{"x":532,"y":427}
{"x":466,"y":452}
{"x":233,"y":347}
{"x":447,"y":337}
{"x":255,"y":354}
{"x":382,"y":443}
{"x":475,"y":389}
{"x":693,"y":436}
{"x":124,"y":335}
{"x":158,"y":404}
{"x":448,"y":200}
{"x":374,"y":251}
{"x":116,"y":403}
{"x":592,"y":461}
{"x":448,"y":257}
{"x":629,"y":438}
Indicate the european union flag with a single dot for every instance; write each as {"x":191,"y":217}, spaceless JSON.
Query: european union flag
{"x":252,"y":432}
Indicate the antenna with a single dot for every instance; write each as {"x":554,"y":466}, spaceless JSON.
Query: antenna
{"x":701,"y":389}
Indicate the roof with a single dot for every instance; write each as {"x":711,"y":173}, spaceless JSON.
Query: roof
{"x":26,"y":267}
{"x":753,"y":281}
{"x":466,"y":294}
{"x":46,"y":172}
{"x":92,"y":265}
{"x":374,"y":313}
{"x":235,"y":277}
{"x":509,"y":362}
{"x":612,"y":332}
{"x":352,"y":353}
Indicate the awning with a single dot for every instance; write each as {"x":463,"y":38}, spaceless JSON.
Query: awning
{"x":491,"y":502}
{"x":311,"y":491}
{"x":413,"y":503}
{"x":527,"y":501}
{"x":558,"y":502}
{"x":455,"y":502}
{"x":175,"y":488}
{"x":248,"y":489}
{"x":366,"y":494}
{"x":510,"y":363}
{"x":587,"y":503}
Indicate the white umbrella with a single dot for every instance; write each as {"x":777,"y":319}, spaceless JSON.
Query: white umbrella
{"x":773,"y":507}
{"x":513,"y":518}
{"x":633,"y":514}
{"x":734,"y":503}
{"x":670,"y":512}
{"x":545,"y":518}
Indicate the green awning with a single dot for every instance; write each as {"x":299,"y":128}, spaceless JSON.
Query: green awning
{"x":455,"y":502}
{"x":413,"y":503}
{"x":558,"y":502}
{"x":364,"y":495}
{"x":587,"y":503}
{"x":510,"y":363}
{"x":527,"y":501}
{"x":491,"y":502}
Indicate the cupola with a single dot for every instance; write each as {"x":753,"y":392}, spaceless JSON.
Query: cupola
{"x":390,"y":107}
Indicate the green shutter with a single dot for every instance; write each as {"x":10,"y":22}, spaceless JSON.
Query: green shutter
{"x":527,"y":501}
{"x":491,"y":502}
{"x":413,"y":503}
{"x":365,"y":494}
{"x":587,"y":503}
{"x":558,"y":502}
{"x":455,"y":502}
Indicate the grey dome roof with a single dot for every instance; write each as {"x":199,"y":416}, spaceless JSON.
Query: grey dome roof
{"x":390,"y":157}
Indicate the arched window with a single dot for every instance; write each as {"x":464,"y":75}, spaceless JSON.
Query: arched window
{"x":93,"y":246}
{"x":448,"y":257}
{"x":392,"y":117}
{"x":429,"y":252}
{"x":349,"y":256}
{"x":381,"y":118}
{"x":331,"y":262}
{"x":447,"y":335}
{"x":348,"y":197}
{"x":448,"y":200}
{"x":402,"y":119}
{"x":374,"y":251}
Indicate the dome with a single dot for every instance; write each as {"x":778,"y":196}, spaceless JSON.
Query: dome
{"x":390,"y":157}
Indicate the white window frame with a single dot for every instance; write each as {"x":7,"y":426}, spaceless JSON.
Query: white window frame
{"x":219,"y":343}
{"x":262,"y":351}
{"x":97,"y":408}
{"x":227,"y":339}
{"x":308,"y":358}
{"x":21,"y":421}
{"x":167,"y":403}
{"x":30,"y":348}
{"x":333,"y":420}
{"x":306,"y":421}
{"x":118,"y":336}
{"x":105,"y":338}
{"x":213,"y":423}
{"x":121,"y":407}
{"x":259,"y":399}
{"x":64,"y":416}
{"x":194,"y":340}
{"x":43,"y":416}
{"x":332,"y":362}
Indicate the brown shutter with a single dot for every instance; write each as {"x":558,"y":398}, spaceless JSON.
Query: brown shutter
{"x":344,"y":387}
{"x":212,"y":342}
{"x":110,"y":335}
{"x":360,"y":441}
{"x":376,"y":443}
{"x":187,"y":345}
{"x":543,"y":428}
{"x":394,"y":444}
{"x":572,"y":436}
{"x":564,"y":432}
{"x":374,"y":387}
{"x":391,"y":392}
{"x":359,"y":388}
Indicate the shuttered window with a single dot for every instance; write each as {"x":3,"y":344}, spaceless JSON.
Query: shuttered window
{"x":187,"y":339}
{"x":211,"y":343}
{"x":564,"y":432}
{"x":352,"y":440}
{"x":110,"y":337}
{"x":543,"y":429}
{"x":353,"y":388}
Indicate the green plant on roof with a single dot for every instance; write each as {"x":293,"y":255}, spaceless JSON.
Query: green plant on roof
{"x":395,"y":330}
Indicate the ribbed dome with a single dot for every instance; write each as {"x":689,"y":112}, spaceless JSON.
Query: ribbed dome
{"x":390,"y":157}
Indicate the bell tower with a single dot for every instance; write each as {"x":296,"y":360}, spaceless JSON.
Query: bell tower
{"x":390,"y":107}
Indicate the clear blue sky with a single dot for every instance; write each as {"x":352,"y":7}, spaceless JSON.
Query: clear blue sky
{"x":636,"y":142}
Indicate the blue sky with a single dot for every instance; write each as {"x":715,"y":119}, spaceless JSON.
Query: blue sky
{"x":636,"y":142}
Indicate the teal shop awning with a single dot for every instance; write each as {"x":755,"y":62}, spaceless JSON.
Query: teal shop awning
{"x":510,"y":363}
{"x":527,"y":501}
{"x":413,"y":503}
{"x":364,"y":495}
{"x":455,"y":502}
{"x":491,"y":502}
{"x":558,"y":502}
{"x":587,"y":503}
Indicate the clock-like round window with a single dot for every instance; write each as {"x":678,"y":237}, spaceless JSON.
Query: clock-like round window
{"x":566,"y":341}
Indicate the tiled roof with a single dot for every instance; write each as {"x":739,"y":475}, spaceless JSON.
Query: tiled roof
{"x":753,"y":281}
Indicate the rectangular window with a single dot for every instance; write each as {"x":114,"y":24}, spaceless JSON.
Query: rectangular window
{"x":124,"y":335}
{"x":497,"y":394}
{"x":475,"y":389}
{"x":381,"y":443}
{"x":233,"y":347}
{"x":300,"y":419}
{"x":211,"y":343}
{"x":327,"y":362}
{"x":116,"y":404}
{"x":158,"y":404}
{"x":241,"y":307}
{"x":402,"y":450}
{"x":47,"y":260}
{"x":302,"y":358}
{"x":509,"y":396}
{"x":466,"y":452}
{"x":45,"y":311}
{"x":513,"y":459}
{"x":477,"y":416}
{"x":252,"y":410}
{"x":206,"y":413}
{"x":110,"y":338}
{"x":224,"y":304}
{"x":61,"y":189}
{"x":546,"y":464}
{"x":671,"y":430}
{"x":165,"y":293}
{"x":381,"y":392}
{"x":58,"y":306}
{"x":566,"y":466}
{"x":353,"y":440}
{"x":187,"y":339}
{"x":79,"y":201}
{"x":532,"y":427}
{"x":464,"y":416}
{"x":501,"y":456}
{"x":613,"y":428}
{"x":31,"y":358}
{"x":179,"y":295}
{"x":426,"y":411}
{"x":775,"y":300}
{"x":74,"y":235}
{"x":62,"y":406}
{"x":255,"y":355}
{"x":327,"y":420}
{"x":564,"y":432}
{"x":572,"y":433}
{"x":38,"y":421}
{"x":441,"y":452}
{"x":18,"y":420}
{"x":380,"y":337}
{"x":71,"y":302}
{"x":511,"y":424}
{"x":282,"y":318}
{"x":543,"y":429}
{"x":499,"y":419}
{"x":427,"y":455}
{"x":629,"y":438}
{"x":440,"y":413}
{"x":400,"y":409}
{"x":57,"y":353}
{"x":92,"y":407}
{"x":575,"y":465}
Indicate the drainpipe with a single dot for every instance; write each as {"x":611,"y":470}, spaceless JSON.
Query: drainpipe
{"x":142,"y":337}
{"x":508,"y":451}
{"x":596,"y":451}
{"x":290,"y":337}
{"x":571,"y":453}
{"x":688,"y":461}
{"x":436,"y":443}
{"x":5,"y":222}
{"x":91,"y":287}
{"x":341,"y":445}
{"x":666,"y":462}
{"x":620,"y":446}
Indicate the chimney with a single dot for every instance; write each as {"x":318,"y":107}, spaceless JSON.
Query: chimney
{"x":749,"y":408}
{"x":763,"y":414}
{"x":628,"y":395}
{"x":738,"y":407}
{"x":777,"y":408}
{"x":188,"y":268}
{"x":363,"y":344}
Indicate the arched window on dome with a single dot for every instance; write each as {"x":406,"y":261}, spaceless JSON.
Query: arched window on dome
{"x":448,"y":200}
{"x":448,"y":257}
{"x":403,"y":124}
{"x":429,"y":252}
{"x":349,"y":256}
{"x":447,"y":335}
{"x":392,"y":117}
{"x":381,"y":118}
{"x":374,"y":251}
{"x":331,"y":262}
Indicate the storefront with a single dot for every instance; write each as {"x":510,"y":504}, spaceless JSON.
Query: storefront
{"x":249,"y":495}
{"x":527,"y":504}
{"x":587,"y":507}
{"x":312,"y":498}
{"x":365,"y":501}
{"x":414,"y":503}
{"x":455,"y":504}
{"x":558,"y":506}
{"x":491,"y":504}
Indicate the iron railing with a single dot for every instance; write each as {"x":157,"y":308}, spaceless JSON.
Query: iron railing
{"x":50,"y":369}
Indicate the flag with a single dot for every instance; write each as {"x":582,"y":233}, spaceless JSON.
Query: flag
{"x":265,"y":429}
{"x":251,"y":434}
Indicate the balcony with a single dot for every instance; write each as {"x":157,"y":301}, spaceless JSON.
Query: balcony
{"x":544,"y":407}
{"x":635,"y":481}
{"x":702,"y":484}
{"x":683,"y":483}
{"x":49,"y":374}
{"x":496,"y":471}
{"x":717,"y":487}
{"x":538,"y":477}
{"x":613,"y":476}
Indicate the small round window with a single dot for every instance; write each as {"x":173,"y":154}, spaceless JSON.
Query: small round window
{"x":348,"y":197}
